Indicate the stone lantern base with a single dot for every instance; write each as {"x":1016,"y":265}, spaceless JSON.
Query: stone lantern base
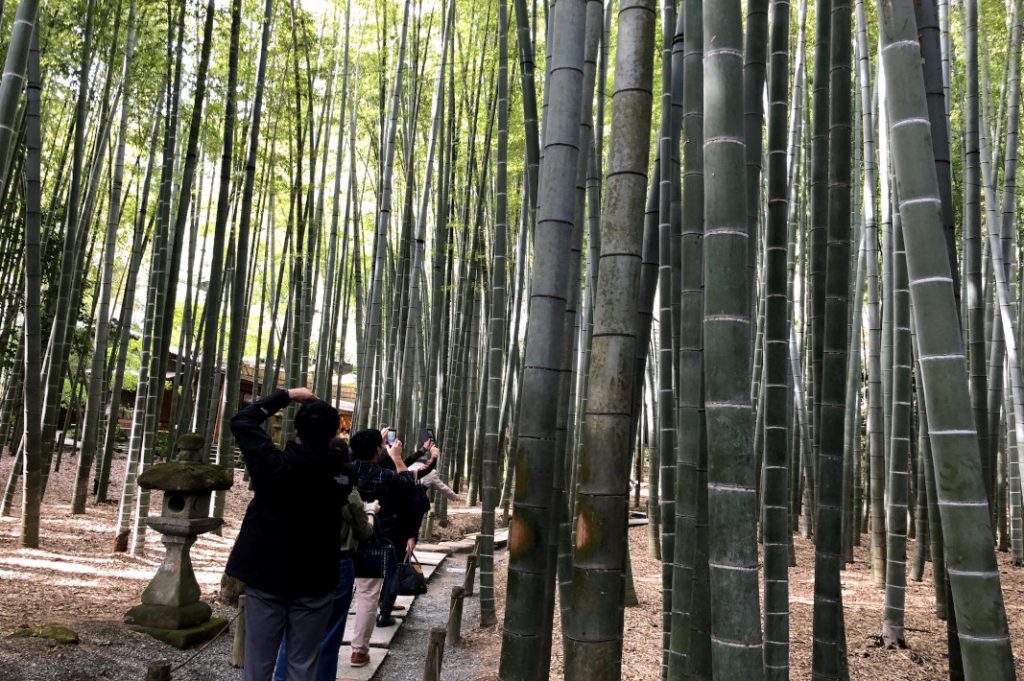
{"x":168,"y":616}
{"x":171,"y":610}
{"x":184,"y":638}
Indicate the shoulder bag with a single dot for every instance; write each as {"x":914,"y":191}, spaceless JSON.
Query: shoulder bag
{"x":375,"y":557}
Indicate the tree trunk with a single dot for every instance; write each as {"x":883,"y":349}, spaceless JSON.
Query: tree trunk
{"x":829,"y":655}
{"x":963,"y":507}
{"x":32,"y":458}
{"x":594,"y":649}
{"x":732,"y":519}
{"x":776,"y":435}
{"x":899,"y":463}
{"x":496,"y":333}
{"x":529,"y":568}
{"x":97,"y":373}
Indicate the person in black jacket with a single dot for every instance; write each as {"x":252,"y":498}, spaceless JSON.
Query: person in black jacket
{"x":408,"y":516}
{"x":390,"y":487}
{"x":289,"y":545}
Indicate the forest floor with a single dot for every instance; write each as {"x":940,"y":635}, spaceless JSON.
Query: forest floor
{"x":74,"y":579}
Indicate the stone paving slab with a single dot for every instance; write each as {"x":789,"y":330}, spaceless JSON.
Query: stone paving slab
{"x":381,"y":637}
{"x":346,"y":672}
{"x":401,"y":600}
{"x":468,"y":543}
{"x":500,"y":536}
{"x":432,"y":547}
{"x":430,"y":557}
{"x":464,"y":546}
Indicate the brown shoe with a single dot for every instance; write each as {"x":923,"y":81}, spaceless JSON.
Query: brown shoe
{"x":397,"y":608}
{"x":360,"y":659}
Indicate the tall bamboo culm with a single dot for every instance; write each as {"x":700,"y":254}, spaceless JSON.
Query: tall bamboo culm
{"x":776,"y":360}
{"x":32,"y":458}
{"x":829,"y":649}
{"x":732,"y":500}
{"x":594,"y":649}
{"x":529,"y":570}
{"x":963,"y":506}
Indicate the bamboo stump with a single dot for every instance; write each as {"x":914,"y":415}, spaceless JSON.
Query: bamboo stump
{"x":435,"y":654}
{"x":159,"y":671}
{"x":238,"y":645}
{"x":471,"y":561}
{"x":428,"y":526}
{"x":455,"y":615}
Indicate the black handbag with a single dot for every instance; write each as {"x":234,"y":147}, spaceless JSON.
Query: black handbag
{"x":373,"y":562}
{"x":375,"y":558}
{"x":411,"y":581}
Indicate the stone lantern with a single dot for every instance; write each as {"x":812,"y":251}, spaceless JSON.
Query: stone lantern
{"x":171,"y":610}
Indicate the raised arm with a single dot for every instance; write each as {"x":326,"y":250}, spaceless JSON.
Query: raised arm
{"x":247,"y":425}
{"x":435,"y":453}
{"x":395,"y":454}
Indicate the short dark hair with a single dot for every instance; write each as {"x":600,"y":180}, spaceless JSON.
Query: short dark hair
{"x":364,"y":444}
{"x":316,"y":422}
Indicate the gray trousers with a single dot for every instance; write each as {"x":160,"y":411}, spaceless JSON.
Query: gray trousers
{"x":267,"y":617}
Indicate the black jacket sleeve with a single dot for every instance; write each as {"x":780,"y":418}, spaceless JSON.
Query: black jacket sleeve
{"x":385,"y":462}
{"x":396,"y":491}
{"x":423,"y":472}
{"x":247,"y":427}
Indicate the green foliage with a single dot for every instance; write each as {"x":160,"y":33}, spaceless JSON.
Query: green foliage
{"x":161,"y":445}
{"x":80,"y":354}
{"x":319,"y":43}
{"x":132,"y":365}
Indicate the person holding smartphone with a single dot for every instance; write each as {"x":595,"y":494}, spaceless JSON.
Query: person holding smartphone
{"x":425,"y":464}
{"x":414,"y":507}
{"x":391,"y":487}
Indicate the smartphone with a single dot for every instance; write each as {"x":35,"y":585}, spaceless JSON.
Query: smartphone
{"x":427,"y":434}
{"x":392,"y":436}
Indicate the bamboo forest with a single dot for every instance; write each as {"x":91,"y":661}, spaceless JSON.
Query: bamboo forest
{"x":701,"y":317}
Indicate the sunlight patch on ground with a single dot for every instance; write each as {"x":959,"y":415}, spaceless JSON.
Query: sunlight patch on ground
{"x":82,"y":523}
{"x":63,"y":557}
{"x":50,"y":581}
{"x":70,"y":568}
{"x":209,"y":577}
